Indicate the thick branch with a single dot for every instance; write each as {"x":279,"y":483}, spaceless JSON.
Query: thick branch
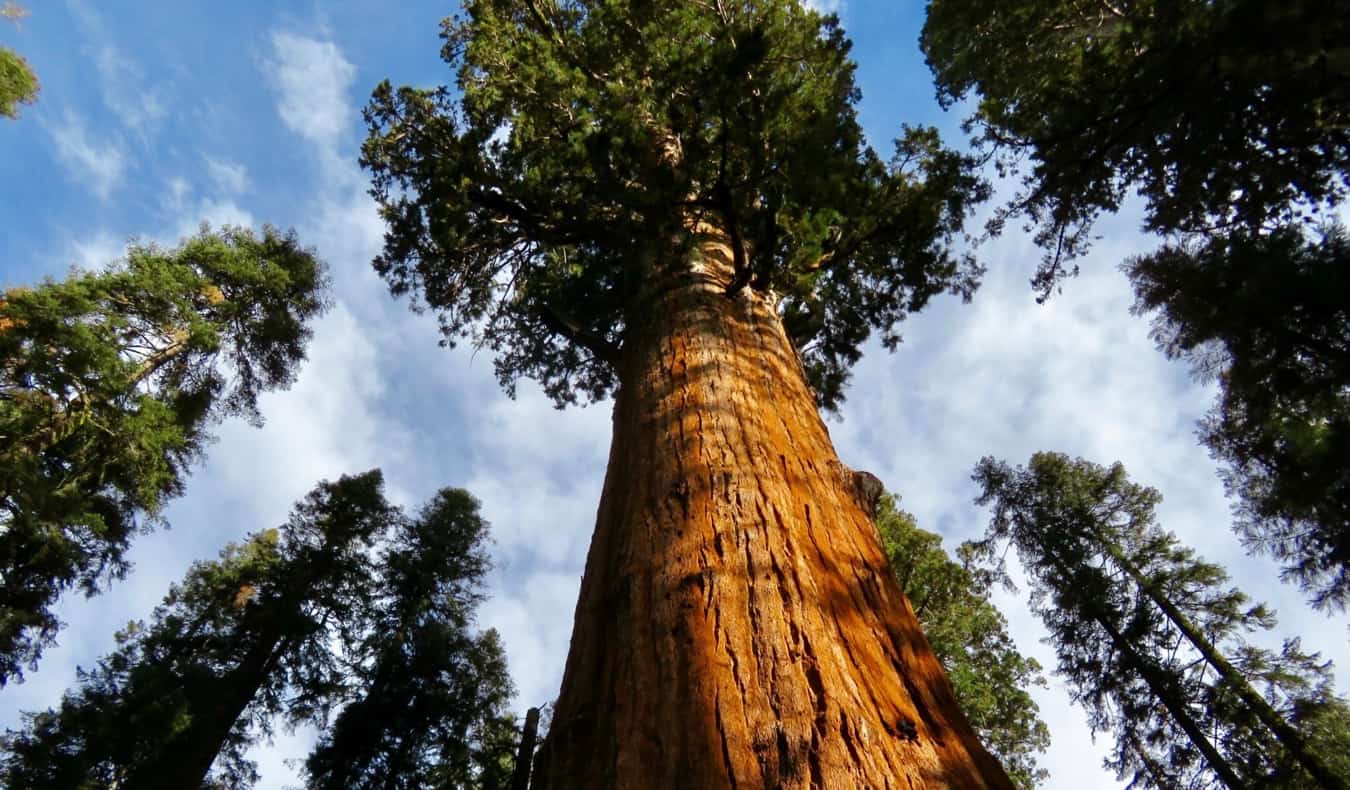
{"x":160,"y":358}
{"x":563,"y":324}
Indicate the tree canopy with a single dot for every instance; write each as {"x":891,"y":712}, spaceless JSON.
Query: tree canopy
{"x":1152,"y":641}
{"x":431,"y":708}
{"x":1223,"y":114}
{"x":588,"y":146}
{"x":350,"y":604}
{"x":1268,"y":316}
{"x":1232,"y":119}
{"x":18,"y":83}
{"x":243,"y":640}
{"x":970,"y":637}
{"x":109,"y":382}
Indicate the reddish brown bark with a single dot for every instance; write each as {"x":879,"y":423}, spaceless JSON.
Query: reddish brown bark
{"x":738,"y":626}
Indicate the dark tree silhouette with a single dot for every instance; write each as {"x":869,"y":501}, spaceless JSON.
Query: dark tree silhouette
{"x":1151,"y":641}
{"x":1269,"y":318}
{"x":431,"y":709}
{"x":242,"y":640}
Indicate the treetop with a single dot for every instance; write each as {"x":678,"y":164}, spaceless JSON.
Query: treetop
{"x":540,"y":202}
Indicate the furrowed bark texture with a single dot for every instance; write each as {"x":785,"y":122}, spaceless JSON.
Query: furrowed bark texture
{"x":738,"y":625}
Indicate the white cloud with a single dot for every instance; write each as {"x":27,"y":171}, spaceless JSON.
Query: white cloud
{"x":534,"y":618}
{"x":826,"y":6}
{"x":230,"y":178}
{"x":96,"y":252}
{"x":311,"y":78}
{"x":123,"y":84}
{"x":99,"y":165}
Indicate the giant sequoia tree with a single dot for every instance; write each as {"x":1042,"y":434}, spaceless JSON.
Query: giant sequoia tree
{"x":1151,"y":641}
{"x":672,"y":202}
{"x":109,"y":382}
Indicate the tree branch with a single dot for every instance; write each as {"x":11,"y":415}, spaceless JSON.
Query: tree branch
{"x":563,"y":324}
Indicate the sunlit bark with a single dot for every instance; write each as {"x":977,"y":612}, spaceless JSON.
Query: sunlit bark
{"x":738,"y":625}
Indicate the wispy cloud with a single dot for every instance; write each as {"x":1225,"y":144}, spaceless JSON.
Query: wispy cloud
{"x":124,"y":86}
{"x":99,"y":164}
{"x":230,"y":178}
{"x":826,"y":6}
{"x":311,"y":79}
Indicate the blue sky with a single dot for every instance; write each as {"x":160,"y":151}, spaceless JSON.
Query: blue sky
{"x":155,"y":117}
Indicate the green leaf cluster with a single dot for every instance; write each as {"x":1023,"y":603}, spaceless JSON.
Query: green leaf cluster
{"x":18,"y":83}
{"x":109,"y":382}
{"x":590,"y":145}
{"x":1151,"y":640}
{"x":970,"y":637}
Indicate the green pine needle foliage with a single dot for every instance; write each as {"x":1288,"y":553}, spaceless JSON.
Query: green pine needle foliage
{"x":539,"y":205}
{"x":109,"y":383}
{"x":18,"y":83}
{"x":1152,"y":641}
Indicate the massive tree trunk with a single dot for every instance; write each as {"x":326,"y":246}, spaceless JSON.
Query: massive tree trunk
{"x":738,"y":625}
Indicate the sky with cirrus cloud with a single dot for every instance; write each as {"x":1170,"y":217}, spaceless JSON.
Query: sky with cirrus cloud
{"x":155,"y":117}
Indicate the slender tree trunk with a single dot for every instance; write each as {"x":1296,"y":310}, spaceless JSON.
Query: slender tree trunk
{"x":520,"y":776}
{"x":1160,"y":777}
{"x":1289,"y":737}
{"x":1165,"y":688}
{"x":1167,"y":693}
{"x":738,"y":625}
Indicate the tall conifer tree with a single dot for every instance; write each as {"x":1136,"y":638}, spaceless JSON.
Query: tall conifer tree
{"x":1150,"y":639}
{"x":432,"y":693}
{"x":108,"y":383}
{"x":242,"y":640}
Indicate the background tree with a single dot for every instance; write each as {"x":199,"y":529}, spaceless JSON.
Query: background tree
{"x":242,"y":640}
{"x":1269,"y":318}
{"x":1232,"y":119}
{"x":108,"y":382}
{"x":1229,"y":114}
{"x":673,"y":202}
{"x":970,"y":637}
{"x":433,"y":693}
{"x":18,"y":83}
{"x":1150,"y":640}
